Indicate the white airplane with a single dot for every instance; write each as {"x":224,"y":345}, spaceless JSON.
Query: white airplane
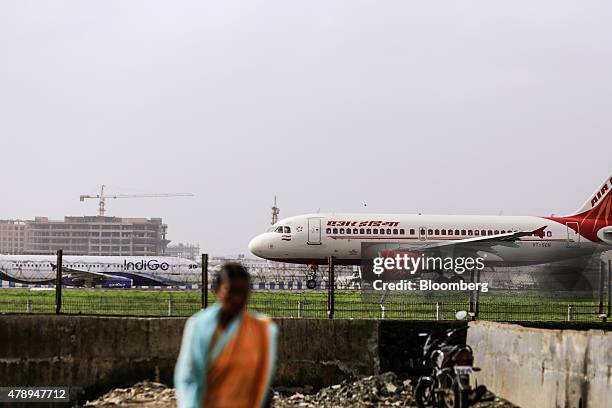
{"x":105,"y":271}
{"x":508,"y":240}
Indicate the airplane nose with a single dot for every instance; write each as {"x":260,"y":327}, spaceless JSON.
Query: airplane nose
{"x":255,"y":246}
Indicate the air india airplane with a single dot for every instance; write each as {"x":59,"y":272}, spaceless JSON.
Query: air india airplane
{"x":508,"y":240}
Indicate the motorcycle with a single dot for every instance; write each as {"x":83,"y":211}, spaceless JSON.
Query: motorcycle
{"x":450,"y":364}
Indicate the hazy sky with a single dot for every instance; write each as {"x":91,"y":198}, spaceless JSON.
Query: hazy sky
{"x":434,"y":107}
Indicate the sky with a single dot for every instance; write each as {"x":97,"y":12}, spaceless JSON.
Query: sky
{"x":350,"y":106}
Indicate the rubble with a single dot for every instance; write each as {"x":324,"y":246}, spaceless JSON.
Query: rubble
{"x":384,"y":390}
{"x":146,"y":394}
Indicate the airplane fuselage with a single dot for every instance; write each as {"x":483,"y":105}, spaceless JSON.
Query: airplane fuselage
{"x":311,"y":238}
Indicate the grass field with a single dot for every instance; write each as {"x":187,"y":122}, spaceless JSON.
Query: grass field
{"x":498,"y":306}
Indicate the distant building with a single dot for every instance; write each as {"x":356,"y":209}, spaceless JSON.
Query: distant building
{"x":12,"y":236}
{"x":184,"y":250}
{"x":89,"y":235}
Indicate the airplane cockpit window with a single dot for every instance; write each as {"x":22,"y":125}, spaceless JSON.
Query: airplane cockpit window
{"x":287,"y":230}
{"x":279,"y":229}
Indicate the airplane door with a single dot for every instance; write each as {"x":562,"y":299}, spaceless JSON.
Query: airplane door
{"x":422,"y":234}
{"x":573,"y":235}
{"x":314,"y":231}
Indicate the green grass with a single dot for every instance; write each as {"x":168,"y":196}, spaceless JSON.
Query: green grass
{"x":498,"y":306}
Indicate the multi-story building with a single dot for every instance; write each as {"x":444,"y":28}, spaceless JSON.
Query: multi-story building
{"x":94,"y":235}
{"x":12,"y":236}
{"x":184,"y":250}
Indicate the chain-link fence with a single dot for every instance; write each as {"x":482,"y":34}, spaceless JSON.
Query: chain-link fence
{"x":348,"y":304}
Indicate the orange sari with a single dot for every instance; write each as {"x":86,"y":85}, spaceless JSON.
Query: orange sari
{"x":240,"y":375}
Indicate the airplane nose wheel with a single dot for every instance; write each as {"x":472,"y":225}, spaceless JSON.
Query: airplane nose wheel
{"x":311,"y":281}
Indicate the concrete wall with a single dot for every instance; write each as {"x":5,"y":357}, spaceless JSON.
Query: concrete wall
{"x":529,"y":366}
{"x":544,"y":368}
{"x":92,"y":354}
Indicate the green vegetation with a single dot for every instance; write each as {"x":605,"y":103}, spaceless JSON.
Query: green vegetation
{"x":498,"y":306}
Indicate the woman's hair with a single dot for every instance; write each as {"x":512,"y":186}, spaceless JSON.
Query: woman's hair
{"x":230,"y":271}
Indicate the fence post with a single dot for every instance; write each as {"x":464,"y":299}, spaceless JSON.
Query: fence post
{"x":58,"y":283}
{"x":204,"y":281}
{"x":602,"y":274}
{"x":570,"y":312}
{"x":169,"y":307}
{"x":477,"y":311}
{"x":609,"y":288}
{"x":471,"y":292}
{"x":29,"y":306}
{"x":437,"y":311}
{"x":300,"y":309}
{"x":330,"y":288}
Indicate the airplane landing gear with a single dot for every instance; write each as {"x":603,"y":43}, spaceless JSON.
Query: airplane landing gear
{"x":311,"y":281}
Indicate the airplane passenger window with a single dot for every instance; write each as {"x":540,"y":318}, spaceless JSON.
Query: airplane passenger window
{"x":411,"y":231}
{"x":362,"y":231}
{"x":490,"y":232}
{"x":388,"y":231}
{"x":342,"y":230}
{"x":328,"y":231}
{"x":429,"y":232}
{"x":456,"y":232}
{"x":463,"y":232}
{"x":402,"y":231}
{"x":443,"y":232}
{"x":483,"y":232}
{"x":549,"y":234}
{"x":375,"y":231}
{"x":355,"y":231}
{"x":335,"y":230}
{"x":437,"y":232}
{"x":395,"y":231}
{"x":287,"y":230}
{"x":476,"y":232}
{"x":503,"y":231}
{"x":382,"y":231}
{"x":368,"y":231}
{"x":469,"y":232}
{"x":496,"y":232}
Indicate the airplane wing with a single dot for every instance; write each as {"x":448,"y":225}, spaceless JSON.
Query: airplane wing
{"x":485,"y":241}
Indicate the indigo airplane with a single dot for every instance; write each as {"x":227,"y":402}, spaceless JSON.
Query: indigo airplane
{"x":105,"y":271}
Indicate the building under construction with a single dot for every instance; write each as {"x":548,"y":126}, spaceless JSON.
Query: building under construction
{"x":89,"y":235}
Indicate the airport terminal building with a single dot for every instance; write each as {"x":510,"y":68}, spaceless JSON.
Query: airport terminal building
{"x":89,"y":235}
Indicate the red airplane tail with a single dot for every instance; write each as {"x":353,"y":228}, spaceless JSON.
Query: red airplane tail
{"x":599,"y":205}
{"x":594,"y":219}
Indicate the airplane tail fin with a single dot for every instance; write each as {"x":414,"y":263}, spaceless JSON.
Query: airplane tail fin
{"x":599,"y":204}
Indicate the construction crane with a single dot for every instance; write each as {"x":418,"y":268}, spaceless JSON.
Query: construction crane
{"x":102,"y":197}
{"x":275,"y":212}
